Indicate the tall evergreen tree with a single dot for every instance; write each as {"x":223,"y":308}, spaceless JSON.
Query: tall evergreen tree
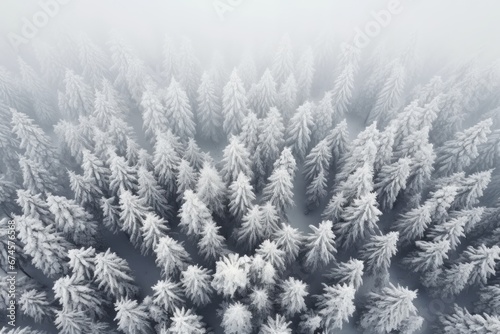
{"x":236,"y":160}
{"x":234,"y":104}
{"x":299,"y":130}
{"x":320,"y":245}
{"x":209,"y":108}
{"x":179,"y":112}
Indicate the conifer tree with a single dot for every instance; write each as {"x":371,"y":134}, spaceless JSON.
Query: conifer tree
{"x":72,"y":322}
{"x":236,"y":160}
{"x":193,"y":214}
{"x":320,"y":245}
{"x":210,"y":188}
{"x":123,"y":177}
{"x":78,"y":95}
{"x":153,"y":229}
{"x":412,"y":224}
{"x":234,"y":104}
{"x":185,"y":180}
{"x":111,"y":214}
{"x":455,"y":278}
{"x":270,"y":252}
{"x":270,"y":219}
{"x":209,"y":108}
{"x":113,"y":275}
{"x":292,"y":296}
{"x":85,"y":191}
{"x":82,"y":263}
{"x":278,"y":324}
{"x":489,"y":300}
{"x":391,"y":180}
{"x":250,"y":130}
{"x":460,"y":152}
{"x":430,"y":256}
{"x":271,"y":138}
{"x":343,"y":90}
{"x":287,"y":161}
{"x":44,"y":244}
{"x":168,"y":295}
{"x":165,"y":162}
{"x":265,"y":94}
{"x":359,"y":183}
{"x":359,"y":220}
{"x":132,"y":212}
{"x":189,"y":68}
{"x":196,"y":284}
{"x":316,"y":191}
{"x":231,"y":274}
{"x":287,"y":97}
{"x":237,"y":319}
{"x":171,"y":256}
{"x":151,"y":192}
{"x":185,"y":322}
{"x":318,"y":160}
{"x":348,"y":273}
{"x":451,"y":230}
{"x":211,"y":244}
{"x":94,"y":169}
{"x":193,"y":154}
{"x":179,"y":112}
{"x":378,"y":252}
{"x":36,"y":178}
{"x":335,"y":306}
{"x":338,"y":141}
{"x":283,"y":61}
{"x":305,"y":74}
{"x":247,"y":69}
{"x":35,"y":305}
{"x":154,"y":116}
{"x":132,"y":317}
{"x":484,"y":260}
{"x":299,"y":130}
{"x":170,"y":59}
{"x":323,"y":115}
{"x":388,"y":309}
{"x":72,"y":220}
{"x":241,"y":196}
{"x":462,"y":322}
{"x":279,"y":190}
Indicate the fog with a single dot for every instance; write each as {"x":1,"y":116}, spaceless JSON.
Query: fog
{"x":444,"y":29}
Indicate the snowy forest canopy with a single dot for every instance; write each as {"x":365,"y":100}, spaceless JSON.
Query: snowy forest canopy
{"x":320,"y":188}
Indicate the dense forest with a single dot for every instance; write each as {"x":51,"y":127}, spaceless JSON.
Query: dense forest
{"x":314,"y":189}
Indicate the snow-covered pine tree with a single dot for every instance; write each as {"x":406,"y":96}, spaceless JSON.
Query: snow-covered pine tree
{"x":231,"y":274}
{"x":133,"y":210}
{"x":391,"y":180}
{"x":343,"y":90}
{"x":287,"y":97}
{"x":152,"y":193}
{"x":113,"y":275}
{"x":132,"y":317}
{"x":237,"y":319}
{"x":271,"y":138}
{"x":279,"y":190}
{"x":82,"y":263}
{"x":168,"y":294}
{"x":335,"y":305}
{"x":429,"y":256}
{"x":310,"y":322}
{"x":489,"y":299}
{"x":270,"y":219}
{"x":305,"y":74}
{"x":188,"y":68}
{"x":170,"y":59}
{"x":276,"y":325}
{"x":78,"y":95}
{"x":460,"y":152}
{"x":153,"y":229}
{"x":75,"y":295}
{"x":165,"y":161}
{"x":291,"y":298}
{"x":265,"y":94}
{"x":299,"y":130}
{"x":270,"y":252}
{"x":286,"y":161}
{"x":72,"y":322}
{"x":323,"y":116}
{"x":209,"y":112}
{"x":378,"y":252}
{"x":35,"y":304}
{"x":186,"y":179}
{"x":171,"y":257}
{"x":348,"y":273}
{"x":359,"y":220}
{"x":390,"y":97}
{"x":36,"y":178}
{"x":92,"y":59}
{"x":338,"y":140}
{"x":234,"y":104}
{"x":455,"y":278}
{"x":95,"y":170}
{"x":283,"y":62}
{"x":236,"y":160}
{"x":186,"y":322}
{"x":193,"y":214}
{"x":212,"y":245}
{"x":154,"y":116}
{"x":451,"y":229}
{"x":250,"y":130}
{"x":196,"y":284}
{"x":210,"y":189}
{"x":85,"y":191}
{"x":193,"y":154}
{"x":411,"y":225}
{"x":241,"y":196}
{"x":316,"y":191}
{"x":318,"y":160}
{"x":110,"y":214}
{"x":319,"y":245}
{"x":462,"y":322}
{"x":123,"y":177}
{"x":484,"y":260}
{"x":72,"y":220}
{"x":359,"y":183}
{"x":388,"y":309}
{"x":178,"y":111}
